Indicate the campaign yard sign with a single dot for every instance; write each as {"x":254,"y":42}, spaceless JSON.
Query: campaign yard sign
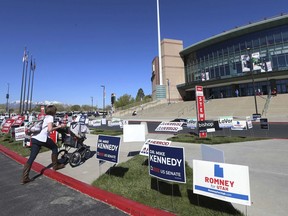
{"x":19,"y":121}
{"x":115,"y":122}
{"x":167,"y":163}
{"x":169,"y":126}
{"x":19,"y":133}
{"x":239,"y":125}
{"x":264,"y":123}
{"x":192,"y":123}
{"x":145,"y":148}
{"x":225,"y":121}
{"x":96,"y":122}
{"x":7,"y":125}
{"x":134,"y":133}
{"x":200,"y":100}
{"x":227,"y":182}
{"x":206,"y":126}
{"x":108,"y":148}
{"x":249,"y":122}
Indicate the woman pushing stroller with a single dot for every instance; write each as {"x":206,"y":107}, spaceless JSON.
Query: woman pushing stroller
{"x":43,"y":139}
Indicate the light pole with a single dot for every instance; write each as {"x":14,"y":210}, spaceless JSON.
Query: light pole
{"x":7,"y":103}
{"x":33,"y":70}
{"x":159,"y":44}
{"x":253,"y":82}
{"x":103,"y":86}
{"x":92,"y":102}
{"x":168,"y":84}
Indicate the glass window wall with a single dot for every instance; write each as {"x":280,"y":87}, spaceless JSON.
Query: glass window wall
{"x":223,"y":59}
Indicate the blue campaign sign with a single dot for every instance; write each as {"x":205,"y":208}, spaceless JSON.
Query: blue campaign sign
{"x":167,"y":163}
{"x":108,"y":148}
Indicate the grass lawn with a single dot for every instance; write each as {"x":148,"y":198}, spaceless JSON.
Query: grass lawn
{"x":107,"y":132}
{"x":189,"y":138}
{"x":132,"y":180}
{"x":16,"y":146}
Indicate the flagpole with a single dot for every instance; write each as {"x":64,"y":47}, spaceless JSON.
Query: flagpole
{"x":159,"y":45}
{"x":24,"y":60}
{"x":7,"y":103}
{"x":33,"y":70}
{"x":29,"y":84}
{"x":25,"y":80}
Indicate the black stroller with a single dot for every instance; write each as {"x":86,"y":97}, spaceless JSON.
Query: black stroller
{"x":75,"y":139}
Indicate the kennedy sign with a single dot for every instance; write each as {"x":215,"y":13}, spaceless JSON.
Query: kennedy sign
{"x":167,"y":163}
{"x":108,"y":148}
{"x":227,"y":182}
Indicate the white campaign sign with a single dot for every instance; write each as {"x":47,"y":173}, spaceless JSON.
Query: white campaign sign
{"x":134,"y":133}
{"x":192,"y":123}
{"x":227,"y":182}
{"x":145,"y":148}
{"x":225,"y":121}
{"x":169,"y":126}
{"x":19,"y":133}
{"x":249,"y":122}
{"x":239,"y":125}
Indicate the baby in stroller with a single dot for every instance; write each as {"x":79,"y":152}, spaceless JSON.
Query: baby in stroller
{"x":75,"y":139}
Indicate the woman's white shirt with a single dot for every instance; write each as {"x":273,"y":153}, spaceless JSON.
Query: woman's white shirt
{"x":42,"y":136}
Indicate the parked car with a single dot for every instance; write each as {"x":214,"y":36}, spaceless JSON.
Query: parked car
{"x":181,"y":120}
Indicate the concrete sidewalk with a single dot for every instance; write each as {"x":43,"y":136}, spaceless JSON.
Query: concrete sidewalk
{"x":266,"y":159}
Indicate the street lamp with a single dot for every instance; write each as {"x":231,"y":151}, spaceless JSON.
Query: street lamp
{"x":92,"y":102}
{"x":7,"y":103}
{"x":103,"y":86}
{"x":253,"y":82}
{"x":159,"y":44}
{"x":168,"y":84}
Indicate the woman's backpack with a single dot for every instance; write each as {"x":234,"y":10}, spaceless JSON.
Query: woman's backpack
{"x":34,"y":128}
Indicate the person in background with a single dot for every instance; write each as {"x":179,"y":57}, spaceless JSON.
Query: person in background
{"x":237,"y":93}
{"x":43,"y":139}
{"x":221,"y":95}
{"x":274,"y":92}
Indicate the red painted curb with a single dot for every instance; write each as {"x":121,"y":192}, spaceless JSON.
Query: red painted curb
{"x":122,"y":203}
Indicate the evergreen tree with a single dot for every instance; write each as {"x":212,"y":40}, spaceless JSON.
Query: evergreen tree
{"x":140,"y":95}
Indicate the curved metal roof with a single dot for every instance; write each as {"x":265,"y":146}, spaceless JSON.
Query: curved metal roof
{"x":238,"y":31}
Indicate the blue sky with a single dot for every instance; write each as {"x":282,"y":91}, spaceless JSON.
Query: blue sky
{"x":80,"y":45}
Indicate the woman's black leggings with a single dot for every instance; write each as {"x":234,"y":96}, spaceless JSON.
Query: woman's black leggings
{"x":36,"y":146}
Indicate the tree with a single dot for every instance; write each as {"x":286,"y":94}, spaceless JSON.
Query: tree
{"x":76,"y":108}
{"x":85,"y":107}
{"x":140,"y":95}
{"x":60,"y":107}
{"x":124,"y":100}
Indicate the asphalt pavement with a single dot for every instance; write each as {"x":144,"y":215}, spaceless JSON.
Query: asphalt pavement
{"x":43,"y":196}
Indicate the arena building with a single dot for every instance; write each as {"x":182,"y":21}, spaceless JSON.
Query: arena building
{"x":241,"y":61}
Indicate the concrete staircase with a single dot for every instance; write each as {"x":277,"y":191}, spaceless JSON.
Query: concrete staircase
{"x":276,"y":109}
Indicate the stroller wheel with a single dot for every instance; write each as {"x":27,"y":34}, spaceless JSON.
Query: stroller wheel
{"x":87,"y":153}
{"x":75,"y":159}
{"x":62,"y":156}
